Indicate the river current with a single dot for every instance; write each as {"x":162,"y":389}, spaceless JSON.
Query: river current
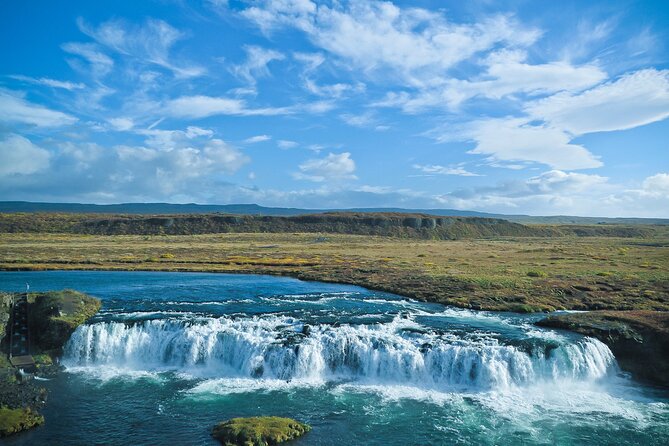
{"x":171,"y":354}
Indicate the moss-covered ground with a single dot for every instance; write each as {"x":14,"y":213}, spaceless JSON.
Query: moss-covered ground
{"x":16,"y":420}
{"x":258,"y":431}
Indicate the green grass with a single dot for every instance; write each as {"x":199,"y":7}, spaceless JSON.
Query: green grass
{"x":17,"y":420}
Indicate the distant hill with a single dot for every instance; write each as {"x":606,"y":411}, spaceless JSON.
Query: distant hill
{"x":254,"y":209}
{"x":381,"y":223}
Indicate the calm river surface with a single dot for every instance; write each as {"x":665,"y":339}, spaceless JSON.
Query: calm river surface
{"x":171,"y":354}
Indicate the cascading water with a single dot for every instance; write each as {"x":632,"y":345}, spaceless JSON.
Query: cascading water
{"x":399,"y":352}
{"x":172,"y":354}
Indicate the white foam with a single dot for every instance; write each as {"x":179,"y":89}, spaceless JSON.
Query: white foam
{"x":401,"y":352}
{"x":227,"y":386}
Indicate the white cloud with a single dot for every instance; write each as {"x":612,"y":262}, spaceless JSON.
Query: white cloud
{"x":89,"y":171}
{"x":513,"y":139}
{"x":65,"y":85}
{"x":550,"y":193}
{"x":431,"y":169}
{"x":16,"y":109}
{"x":559,"y":181}
{"x":363,"y":120}
{"x":319,"y":107}
{"x":417,"y":45}
{"x":122,"y":124}
{"x":334,"y":167}
{"x":257,"y":139}
{"x":204,"y":106}
{"x":256,"y":63}
{"x":635,"y":99}
{"x":286,"y":144}
{"x":20,"y":156}
{"x":150,"y":42}
{"x":508,"y":73}
{"x":656,"y":186}
{"x":545,"y":134}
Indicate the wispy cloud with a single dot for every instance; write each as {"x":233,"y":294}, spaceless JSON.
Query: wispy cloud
{"x":256,"y":63}
{"x":414,"y":44}
{"x":204,"y":106}
{"x":257,"y":139}
{"x":434,"y":169}
{"x":100,"y":64}
{"x":286,"y":144}
{"x":15,"y":109}
{"x":45,"y":81}
{"x":149,"y":42}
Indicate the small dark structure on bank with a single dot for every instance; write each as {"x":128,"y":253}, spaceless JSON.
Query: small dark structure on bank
{"x":19,"y":338}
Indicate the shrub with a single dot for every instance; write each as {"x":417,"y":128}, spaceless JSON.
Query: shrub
{"x":536,"y":273}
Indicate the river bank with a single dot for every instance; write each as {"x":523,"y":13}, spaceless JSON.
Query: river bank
{"x":53,"y":318}
{"x":638,"y":339}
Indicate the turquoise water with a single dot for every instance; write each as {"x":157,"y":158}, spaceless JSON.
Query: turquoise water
{"x":171,"y":354}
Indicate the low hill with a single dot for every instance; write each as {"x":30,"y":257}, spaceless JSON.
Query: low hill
{"x":383,"y":224}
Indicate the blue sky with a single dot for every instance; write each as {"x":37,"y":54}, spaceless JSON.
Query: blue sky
{"x":535,"y":107}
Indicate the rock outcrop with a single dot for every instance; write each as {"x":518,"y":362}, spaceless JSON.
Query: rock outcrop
{"x":258,"y":431}
{"x":638,"y":339}
{"x":53,"y":317}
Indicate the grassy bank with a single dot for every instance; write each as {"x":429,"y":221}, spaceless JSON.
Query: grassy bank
{"x":506,"y":273}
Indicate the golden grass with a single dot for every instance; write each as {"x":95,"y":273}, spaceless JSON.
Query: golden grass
{"x":521,"y":274}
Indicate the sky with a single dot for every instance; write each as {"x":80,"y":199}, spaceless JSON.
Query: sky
{"x":519,"y":107}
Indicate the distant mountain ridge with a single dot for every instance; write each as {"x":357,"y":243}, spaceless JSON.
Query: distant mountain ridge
{"x":254,"y":209}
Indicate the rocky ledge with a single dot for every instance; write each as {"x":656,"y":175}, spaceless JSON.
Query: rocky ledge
{"x":258,"y":431}
{"x":53,"y":316}
{"x":638,"y":339}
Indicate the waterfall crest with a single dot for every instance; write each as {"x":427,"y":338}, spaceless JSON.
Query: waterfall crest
{"x":398,"y":352}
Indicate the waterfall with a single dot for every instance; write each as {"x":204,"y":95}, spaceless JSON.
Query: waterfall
{"x":282,"y":348}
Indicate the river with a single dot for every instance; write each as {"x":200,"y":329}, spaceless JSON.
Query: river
{"x":171,"y":354}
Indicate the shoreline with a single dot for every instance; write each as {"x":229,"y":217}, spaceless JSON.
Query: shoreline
{"x":55,"y":316}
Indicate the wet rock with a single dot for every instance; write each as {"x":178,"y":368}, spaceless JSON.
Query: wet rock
{"x":638,"y":339}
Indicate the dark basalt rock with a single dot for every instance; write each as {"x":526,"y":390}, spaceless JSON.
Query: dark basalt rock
{"x":638,"y":339}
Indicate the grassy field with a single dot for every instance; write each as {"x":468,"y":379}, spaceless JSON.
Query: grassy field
{"x":516,"y":274}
